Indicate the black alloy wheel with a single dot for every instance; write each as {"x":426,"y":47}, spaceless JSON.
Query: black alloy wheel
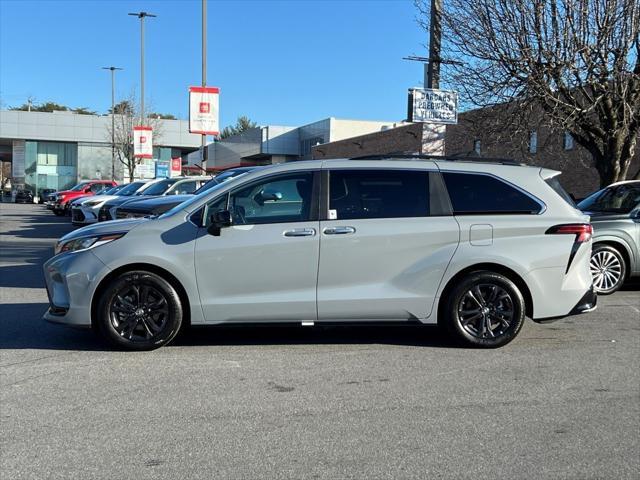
{"x":139,"y":311}
{"x":485,"y":309}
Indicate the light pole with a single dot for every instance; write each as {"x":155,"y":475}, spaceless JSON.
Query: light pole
{"x":204,"y":75}
{"x":113,"y":122}
{"x":142,"y":16}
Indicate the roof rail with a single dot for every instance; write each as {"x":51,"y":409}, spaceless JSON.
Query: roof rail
{"x":450,"y":158}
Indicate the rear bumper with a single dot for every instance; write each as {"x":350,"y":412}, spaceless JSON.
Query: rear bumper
{"x":588,"y":303}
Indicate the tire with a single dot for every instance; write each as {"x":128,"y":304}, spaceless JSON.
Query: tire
{"x":608,"y":269}
{"x":139,"y":310}
{"x":485,"y":310}
{"x":59,"y":213}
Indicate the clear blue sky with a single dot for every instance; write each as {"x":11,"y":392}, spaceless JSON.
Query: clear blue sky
{"x":278,"y":62}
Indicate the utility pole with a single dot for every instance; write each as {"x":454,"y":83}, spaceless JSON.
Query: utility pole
{"x":204,"y":75}
{"x":113,"y":121}
{"x":434,"y":60}
{"x":142,"y":16}
{"x":432,"y":79}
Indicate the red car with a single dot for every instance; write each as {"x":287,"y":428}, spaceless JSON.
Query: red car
{"x":83,"y":189}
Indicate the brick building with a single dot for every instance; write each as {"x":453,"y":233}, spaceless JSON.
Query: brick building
{"x":483,"y":133}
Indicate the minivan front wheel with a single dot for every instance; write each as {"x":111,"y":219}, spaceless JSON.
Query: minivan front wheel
{"x":608,"y":269}
{"x":485,"y":309}
{"x":139,"y":311}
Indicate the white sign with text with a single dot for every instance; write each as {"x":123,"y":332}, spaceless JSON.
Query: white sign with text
{"x":434,"y":106}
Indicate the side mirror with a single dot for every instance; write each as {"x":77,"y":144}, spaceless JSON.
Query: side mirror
{"x":87,"y":190}
{"x":267,"y":195}
{"x":219,"y":220}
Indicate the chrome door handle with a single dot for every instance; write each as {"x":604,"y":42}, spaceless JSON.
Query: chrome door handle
{"x":300,"y":232}
{"x":339,"y":230}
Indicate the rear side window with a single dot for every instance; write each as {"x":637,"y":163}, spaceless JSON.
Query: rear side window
{"x":185,"y":188}
{"x":378,"y":194}
{"x":478,"y":194}
{"x":554,"y":183}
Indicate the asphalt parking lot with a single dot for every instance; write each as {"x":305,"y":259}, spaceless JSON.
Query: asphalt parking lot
{"x":561,"y":401}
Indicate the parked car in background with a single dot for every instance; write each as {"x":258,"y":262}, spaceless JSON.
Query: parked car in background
{"x":83,"y":189}
{"x":160,"y":187}
{"x":615,"y":216}
{"x":149,"y":207}
{"x":84,"y":211}
{"x":23,"y":196}
{"x":44,"y":195}
{"x":473,"y":246}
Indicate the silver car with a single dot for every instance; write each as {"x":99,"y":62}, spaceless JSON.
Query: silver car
{"x":615,"y":216}
{"x":472,"y":246}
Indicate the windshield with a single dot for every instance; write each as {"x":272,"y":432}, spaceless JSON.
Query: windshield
{"x":111,"y":191}
{"x":221,"y":178}
{"x":80,"y":186}
{"x":130,"y":189}
{"x":158,"y":188}
{"x":617,"y":199}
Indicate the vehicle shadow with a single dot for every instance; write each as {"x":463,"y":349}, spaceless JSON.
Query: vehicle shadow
{"x":631,"y":285}
{"x":417,"y":336}
{"x":23,"y":328}
{"x":21,"y":265}
{"x":40,"y":226}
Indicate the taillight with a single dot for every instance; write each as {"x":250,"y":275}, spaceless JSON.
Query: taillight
{"x":582,"y":231}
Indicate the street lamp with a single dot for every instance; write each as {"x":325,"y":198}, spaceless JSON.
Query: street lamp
{"x":142,"y":16}
{"x":113,"y":123}
{"x":204,"y":75}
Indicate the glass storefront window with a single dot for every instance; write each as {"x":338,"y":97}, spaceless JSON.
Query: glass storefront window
{"x":55,"y":153}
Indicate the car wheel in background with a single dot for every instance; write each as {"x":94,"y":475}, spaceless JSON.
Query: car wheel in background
{"x":139,"y":311}
{"x":485,"y":310}
{"x":608,"y":268}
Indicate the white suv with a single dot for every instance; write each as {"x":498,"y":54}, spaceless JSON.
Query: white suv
{"x":472,"y":246}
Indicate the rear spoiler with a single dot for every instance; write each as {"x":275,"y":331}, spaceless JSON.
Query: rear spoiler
{"x":547,"y":173}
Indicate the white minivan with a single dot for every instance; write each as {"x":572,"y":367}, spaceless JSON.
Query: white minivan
{"x":473,"y":246}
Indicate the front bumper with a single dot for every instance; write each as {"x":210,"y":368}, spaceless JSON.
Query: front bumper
{"x":71,"y":280}
{"x":104,"y":214}
{"x":60,"y":207}
{"x":83,"y":216}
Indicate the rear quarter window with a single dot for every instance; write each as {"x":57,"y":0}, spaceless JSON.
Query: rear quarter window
{"x":479,"y":194}
{"x":554,"y":183}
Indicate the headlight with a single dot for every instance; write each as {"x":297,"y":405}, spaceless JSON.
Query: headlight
{"x":85,"y":243}
{"x":92,"y":204}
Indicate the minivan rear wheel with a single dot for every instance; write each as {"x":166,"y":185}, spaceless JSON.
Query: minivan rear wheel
{"x":139,"y":310}
{"x":486,"y":309}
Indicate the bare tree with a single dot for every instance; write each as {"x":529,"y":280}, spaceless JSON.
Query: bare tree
{"x":576,"y":62}
{"x":126,"y":117}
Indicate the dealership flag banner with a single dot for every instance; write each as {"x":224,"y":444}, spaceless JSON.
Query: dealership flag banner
{"x":142,"y":142}
{"x":203,"y":110}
